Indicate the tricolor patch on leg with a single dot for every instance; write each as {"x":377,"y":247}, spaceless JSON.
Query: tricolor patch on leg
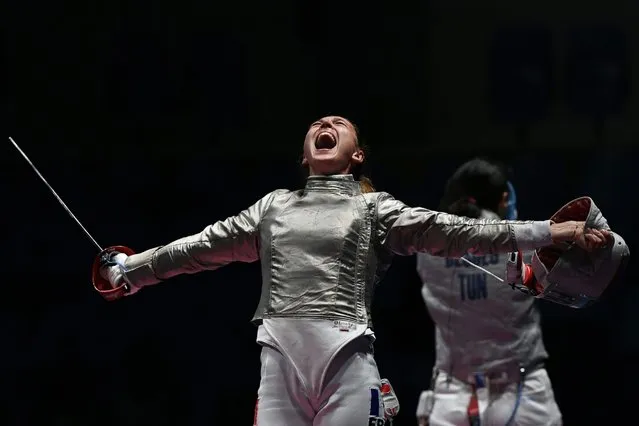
{"x":376,"y":414}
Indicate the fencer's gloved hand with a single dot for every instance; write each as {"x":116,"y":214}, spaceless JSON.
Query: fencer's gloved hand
{"x":112,"y":270}
{"x":391,"y":403}
{"x":108,"y":273}
{"x":520,"y":275}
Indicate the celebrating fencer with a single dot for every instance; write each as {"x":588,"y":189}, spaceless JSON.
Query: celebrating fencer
{"x":323,"y":249}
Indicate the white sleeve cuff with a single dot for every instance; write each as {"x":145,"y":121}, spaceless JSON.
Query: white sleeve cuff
{"x":138,"y":269}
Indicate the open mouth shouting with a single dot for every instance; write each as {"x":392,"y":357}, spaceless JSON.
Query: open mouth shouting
{"x":325,"y":141}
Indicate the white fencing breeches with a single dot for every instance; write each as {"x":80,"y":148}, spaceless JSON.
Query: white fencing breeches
{"x":349,"y":397}
{"x":537,"y":406}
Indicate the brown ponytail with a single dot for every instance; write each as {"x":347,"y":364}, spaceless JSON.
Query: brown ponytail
{"x":366,"y":185}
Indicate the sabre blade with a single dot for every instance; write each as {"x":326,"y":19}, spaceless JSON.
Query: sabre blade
{"x":482,"y":269}
{"x":95,"y":243}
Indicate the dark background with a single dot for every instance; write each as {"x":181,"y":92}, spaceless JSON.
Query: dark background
{"x":152,"y":120}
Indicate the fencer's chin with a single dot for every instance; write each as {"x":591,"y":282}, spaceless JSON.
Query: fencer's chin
{"x":324,"y":153}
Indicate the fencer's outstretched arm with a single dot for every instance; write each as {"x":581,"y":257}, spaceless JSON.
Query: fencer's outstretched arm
{"x":235,"y":239}
{"x":409,"y":230}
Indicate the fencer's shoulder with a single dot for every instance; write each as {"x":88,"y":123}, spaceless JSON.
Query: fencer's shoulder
{"x":378,"y":196}
{"x":374,"y":199}
{"x":281,"y":191}
{"x":384,"y":204}
{"x":384,"y":201}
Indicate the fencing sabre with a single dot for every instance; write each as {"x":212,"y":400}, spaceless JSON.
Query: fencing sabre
{"x":107,"y":293}
{"x":95,"y":243}
{"x":100,"y":248}
{"x":482,"y":269}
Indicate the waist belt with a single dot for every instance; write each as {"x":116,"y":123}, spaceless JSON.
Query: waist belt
{"x":504,"y":375}
{"x":480,"y":381}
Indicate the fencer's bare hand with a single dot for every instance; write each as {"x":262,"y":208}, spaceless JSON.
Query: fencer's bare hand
{"x":573,"y":231}
{"x":595,"y":238}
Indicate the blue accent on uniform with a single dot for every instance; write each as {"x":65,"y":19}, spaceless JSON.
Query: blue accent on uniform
{"x":517,"y":402}
{"x":375,"y":402}
{"x":511,"y":208}
{"x":479,"y":381}
{"x":473,"y":286}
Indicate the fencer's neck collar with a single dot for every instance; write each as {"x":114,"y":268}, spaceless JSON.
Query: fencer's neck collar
{"x":341,"y":184}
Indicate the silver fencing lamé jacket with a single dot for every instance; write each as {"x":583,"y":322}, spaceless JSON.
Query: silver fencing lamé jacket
{"x":481,"y":324}
{"x":323,"y":248}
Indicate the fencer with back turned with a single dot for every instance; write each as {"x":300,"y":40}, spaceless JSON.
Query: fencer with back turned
{"x":489,"y":348}
{"x":490,"y":354}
